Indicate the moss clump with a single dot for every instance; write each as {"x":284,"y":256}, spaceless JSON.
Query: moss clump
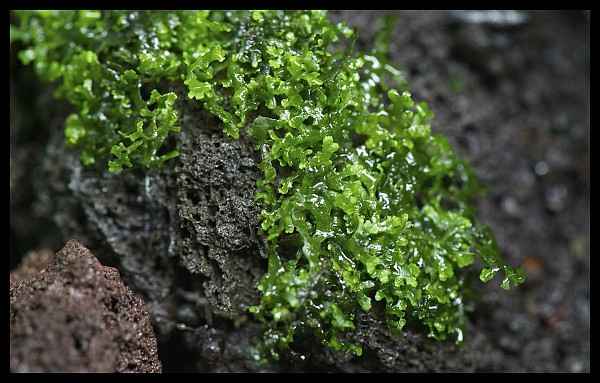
{"x":374,"y":207}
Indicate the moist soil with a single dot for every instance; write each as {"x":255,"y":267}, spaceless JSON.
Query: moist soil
{"x":509,"y":90}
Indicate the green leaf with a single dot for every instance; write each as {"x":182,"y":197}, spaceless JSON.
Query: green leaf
{"x":198,"y":89}
{"x":513,"y":277}
{"x":487,"y":274}
{"x":364,"y":302}
{"x":74,"y":129}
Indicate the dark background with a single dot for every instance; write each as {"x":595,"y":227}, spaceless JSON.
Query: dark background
{"x":511,"y":91}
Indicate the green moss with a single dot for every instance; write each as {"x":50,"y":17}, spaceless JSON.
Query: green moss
{"x":375,"y":205}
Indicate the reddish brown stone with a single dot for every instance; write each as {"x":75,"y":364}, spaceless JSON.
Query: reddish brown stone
{"x":69,"y":313}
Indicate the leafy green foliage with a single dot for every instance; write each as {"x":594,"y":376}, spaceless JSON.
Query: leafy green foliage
{"x":375,"y":207}
{"x":93,"y":57}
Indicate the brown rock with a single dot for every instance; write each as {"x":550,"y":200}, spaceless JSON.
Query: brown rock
{"x":68,"y":313}
{"x":33,"y":263}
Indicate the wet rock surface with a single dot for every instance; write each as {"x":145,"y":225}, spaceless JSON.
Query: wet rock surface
{"x":215,"y":183}
{"x":509,"y":90}
{"x":68,"y":313}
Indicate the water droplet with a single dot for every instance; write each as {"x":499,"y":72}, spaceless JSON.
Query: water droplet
{"x":541,"y":168}
{"x":511,"y":206}
{"x":459,"y":337}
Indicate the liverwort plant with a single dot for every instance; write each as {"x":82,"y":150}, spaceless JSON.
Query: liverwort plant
{"x":371,"y":207}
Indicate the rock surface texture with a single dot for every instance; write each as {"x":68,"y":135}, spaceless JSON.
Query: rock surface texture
{"x":68,"y":313}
